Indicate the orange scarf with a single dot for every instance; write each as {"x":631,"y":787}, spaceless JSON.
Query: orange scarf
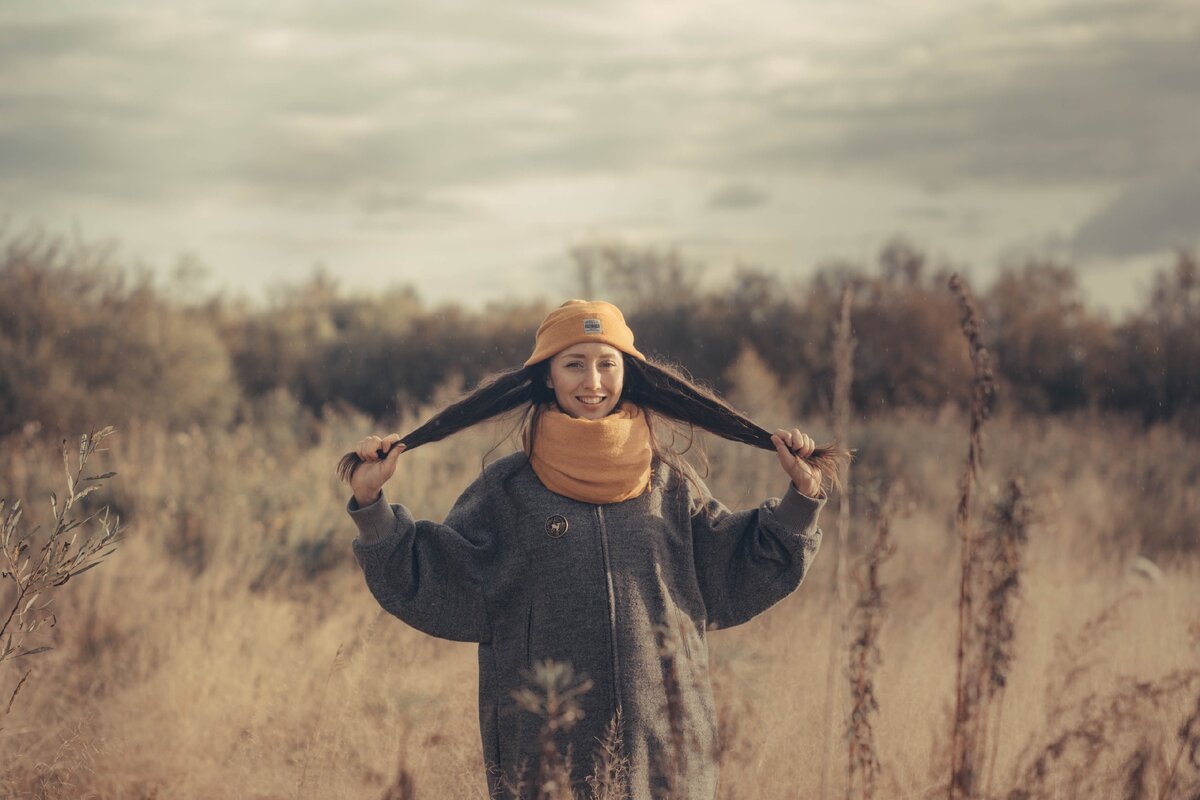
{"x":596,"y":461}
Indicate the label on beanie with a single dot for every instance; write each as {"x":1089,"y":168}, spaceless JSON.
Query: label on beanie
{"x":592,"y":326}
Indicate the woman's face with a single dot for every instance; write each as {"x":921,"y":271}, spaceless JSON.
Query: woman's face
{"x":587,"y":379}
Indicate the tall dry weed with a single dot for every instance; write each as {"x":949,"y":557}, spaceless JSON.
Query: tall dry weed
{"x":843,"y":377}
{"x":865,"y":658}
{"x":1112,"y":740}
{"x":610,"y":766}
{"x":966,"y":735}
{"x":1002,"y":556}
{"x":552,"y":693}
{"x":34,"y":573}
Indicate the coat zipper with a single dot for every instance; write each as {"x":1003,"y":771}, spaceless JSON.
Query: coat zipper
{"x":612,"y":608}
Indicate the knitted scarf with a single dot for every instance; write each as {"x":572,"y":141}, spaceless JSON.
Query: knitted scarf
{"x":596,"y":461}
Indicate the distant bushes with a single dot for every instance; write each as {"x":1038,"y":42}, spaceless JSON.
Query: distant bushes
{"x":82,"y":340}
{"x":376,"y":355}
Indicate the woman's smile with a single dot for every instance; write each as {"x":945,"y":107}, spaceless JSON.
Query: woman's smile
{"x":587,"y":379}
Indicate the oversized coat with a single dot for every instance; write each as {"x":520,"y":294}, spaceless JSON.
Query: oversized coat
{"x":532,"y":575}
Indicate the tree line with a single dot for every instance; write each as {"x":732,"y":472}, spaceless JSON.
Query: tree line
{"x":85,"y":340}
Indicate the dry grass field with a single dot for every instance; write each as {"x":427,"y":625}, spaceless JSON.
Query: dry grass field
{"x":229,"y":648}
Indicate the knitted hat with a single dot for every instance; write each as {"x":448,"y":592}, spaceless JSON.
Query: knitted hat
{"x":578,"y":321}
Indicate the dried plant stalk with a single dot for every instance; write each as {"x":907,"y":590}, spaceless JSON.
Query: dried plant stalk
{"x":965,"y":733}
{"x":843,"y":376}
{"x":515,"y":783}
{"x":1097,"y":726}
{"x":64,"y":554}
{"x":610,"y":772}
{"x":553,"y":693}
{"x":1008,"y":534}
{"x":865,"y":658}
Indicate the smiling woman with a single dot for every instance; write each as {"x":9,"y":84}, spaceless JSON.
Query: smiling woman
{"x":587,"y":379}
{"x":595,"y":547}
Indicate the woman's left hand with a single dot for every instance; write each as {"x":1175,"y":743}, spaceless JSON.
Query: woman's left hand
{"x":805,"y":477}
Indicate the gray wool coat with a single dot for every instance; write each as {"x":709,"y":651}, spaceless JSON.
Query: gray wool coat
{"x":532,"y":575}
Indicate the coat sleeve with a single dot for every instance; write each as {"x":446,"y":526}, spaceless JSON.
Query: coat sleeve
{"x":747,"y":561}
{"x":431,"y":575}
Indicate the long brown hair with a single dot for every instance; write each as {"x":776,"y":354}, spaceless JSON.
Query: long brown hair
{"x":659,"y":388}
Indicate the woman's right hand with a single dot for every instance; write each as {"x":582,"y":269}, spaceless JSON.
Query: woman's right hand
{"x":373,"y":473}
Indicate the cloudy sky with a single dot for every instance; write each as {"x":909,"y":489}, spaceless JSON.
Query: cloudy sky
{"x":465,"y":147}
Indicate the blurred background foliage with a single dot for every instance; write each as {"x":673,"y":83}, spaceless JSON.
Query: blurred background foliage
{"x":85,"y":340}
{"x":236,"y":591}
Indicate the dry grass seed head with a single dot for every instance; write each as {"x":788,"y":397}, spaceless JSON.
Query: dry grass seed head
{"x":610,"y":766}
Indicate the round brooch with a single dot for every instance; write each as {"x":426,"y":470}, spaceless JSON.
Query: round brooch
{"x":556,"y":526}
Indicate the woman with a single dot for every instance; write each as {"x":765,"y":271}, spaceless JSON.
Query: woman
{"x":589,"y":546}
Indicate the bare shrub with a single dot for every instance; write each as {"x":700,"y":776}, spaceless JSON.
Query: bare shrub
{"x":1128,"y":719}
{"x":83,"y":339}
{"x":36,"y":574}
{"x":1095,"y":742}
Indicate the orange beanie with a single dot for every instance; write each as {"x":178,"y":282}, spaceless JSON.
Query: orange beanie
{"x":578,"y":321}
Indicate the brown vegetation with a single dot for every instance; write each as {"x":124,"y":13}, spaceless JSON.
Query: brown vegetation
{"x":35,"y":565}
{"x":230,"y":649}
{"x":81,"y":340}
{"x":211,"y":677}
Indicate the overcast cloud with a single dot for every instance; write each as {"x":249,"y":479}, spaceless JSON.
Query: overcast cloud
{"x":388,"y":138}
